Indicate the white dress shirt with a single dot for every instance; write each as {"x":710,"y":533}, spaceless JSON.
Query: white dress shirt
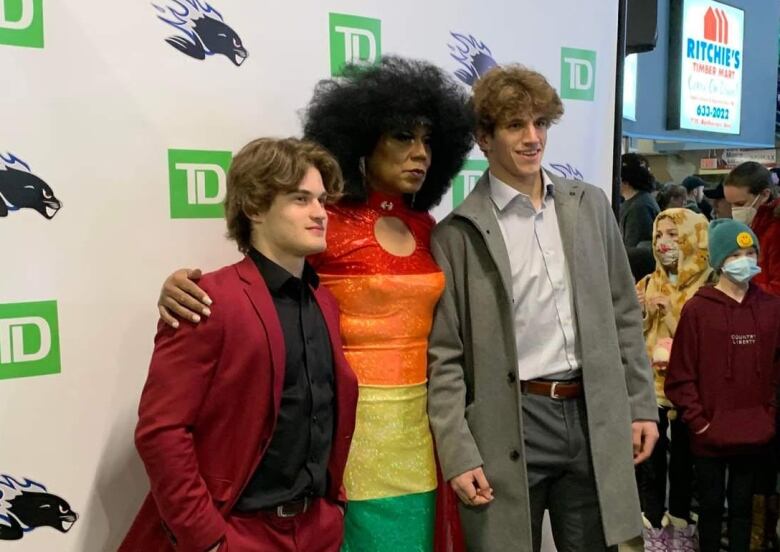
{"x":545,"y":329}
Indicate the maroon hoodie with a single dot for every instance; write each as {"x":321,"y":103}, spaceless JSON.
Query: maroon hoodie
{"x":723,"y":370}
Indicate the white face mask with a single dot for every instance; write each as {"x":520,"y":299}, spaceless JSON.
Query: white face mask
{"x":745,"y":214}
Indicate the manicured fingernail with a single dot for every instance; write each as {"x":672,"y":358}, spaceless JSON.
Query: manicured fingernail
{"x":195,"y":318}
{"x":207,"y":300}
{"x":207,"y":312}
{"x":175,"y":324}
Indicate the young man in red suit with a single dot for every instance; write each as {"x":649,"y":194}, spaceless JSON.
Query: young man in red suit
{"x":246,"y":418}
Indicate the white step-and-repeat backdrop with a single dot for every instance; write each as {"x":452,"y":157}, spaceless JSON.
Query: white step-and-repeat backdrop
{"x":117,"y":123}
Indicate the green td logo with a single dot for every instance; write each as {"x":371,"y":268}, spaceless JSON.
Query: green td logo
{"x":353,"y":39}
{"x":467,"y":178}
{"x":21,"y":23}
{"x":29,"y":339}
{"x":578,"y":74}
{"x":198,"y":182}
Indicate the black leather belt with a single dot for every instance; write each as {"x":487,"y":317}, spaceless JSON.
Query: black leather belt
{"x":571,"y":389}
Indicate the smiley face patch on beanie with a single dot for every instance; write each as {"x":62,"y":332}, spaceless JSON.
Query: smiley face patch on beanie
{"x":745,"y":240}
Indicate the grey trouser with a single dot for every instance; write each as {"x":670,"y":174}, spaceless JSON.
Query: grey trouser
{"x":560,"y":474}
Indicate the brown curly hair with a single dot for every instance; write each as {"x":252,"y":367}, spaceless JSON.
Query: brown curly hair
{"x":751,"y":175}
{"x":513,"y":91}
{"x":267,"y":167}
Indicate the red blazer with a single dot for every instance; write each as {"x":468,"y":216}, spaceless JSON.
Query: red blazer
{"x":209,"y":408}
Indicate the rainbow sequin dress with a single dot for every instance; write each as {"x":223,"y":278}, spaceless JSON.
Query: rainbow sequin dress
{"x":387,"y":305}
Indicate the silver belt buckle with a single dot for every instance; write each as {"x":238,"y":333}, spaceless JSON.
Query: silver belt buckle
{"x":280,"y":511}
{"x":553,"y":393}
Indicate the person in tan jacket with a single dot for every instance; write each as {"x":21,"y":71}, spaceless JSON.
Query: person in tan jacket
{"x":682,"y":267}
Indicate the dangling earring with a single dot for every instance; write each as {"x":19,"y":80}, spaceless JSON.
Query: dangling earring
{"x":362,"y":168}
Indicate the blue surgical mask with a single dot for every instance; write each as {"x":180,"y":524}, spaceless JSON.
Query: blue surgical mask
{"x":741,"y":270}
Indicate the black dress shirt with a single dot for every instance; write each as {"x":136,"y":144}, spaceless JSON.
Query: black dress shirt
{"x":296,"y":461}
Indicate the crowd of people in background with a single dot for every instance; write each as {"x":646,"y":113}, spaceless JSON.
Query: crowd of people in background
{"x":706,"y":259}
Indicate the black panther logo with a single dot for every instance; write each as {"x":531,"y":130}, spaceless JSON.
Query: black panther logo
{"x":26,"y":506}
{"x":205,"y":32}
{"x":473,"y":55}
{"x":20,"y":189}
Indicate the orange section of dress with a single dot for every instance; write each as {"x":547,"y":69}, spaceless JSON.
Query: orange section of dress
{"x":387,"y":304}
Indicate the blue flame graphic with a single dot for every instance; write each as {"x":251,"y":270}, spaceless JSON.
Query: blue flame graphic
{"x":474,"y":55}
{"x":183,"y":18}
{"x":9,"y":160}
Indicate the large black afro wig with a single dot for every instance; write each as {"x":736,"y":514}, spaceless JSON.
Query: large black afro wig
{"x":348,"y":114}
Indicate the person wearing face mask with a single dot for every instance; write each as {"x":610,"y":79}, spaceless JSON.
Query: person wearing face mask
{"x":748,"y":188}
{"x":723,"y":376}
{"x":682,"y":268}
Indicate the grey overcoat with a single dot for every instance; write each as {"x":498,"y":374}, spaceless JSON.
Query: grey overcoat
{"x":474,"y":400}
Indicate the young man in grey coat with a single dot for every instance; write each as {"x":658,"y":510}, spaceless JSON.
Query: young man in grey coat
{"x":540,"y":393}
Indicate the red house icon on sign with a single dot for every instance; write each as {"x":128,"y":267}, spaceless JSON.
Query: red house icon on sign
{"x":716,"y":26}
